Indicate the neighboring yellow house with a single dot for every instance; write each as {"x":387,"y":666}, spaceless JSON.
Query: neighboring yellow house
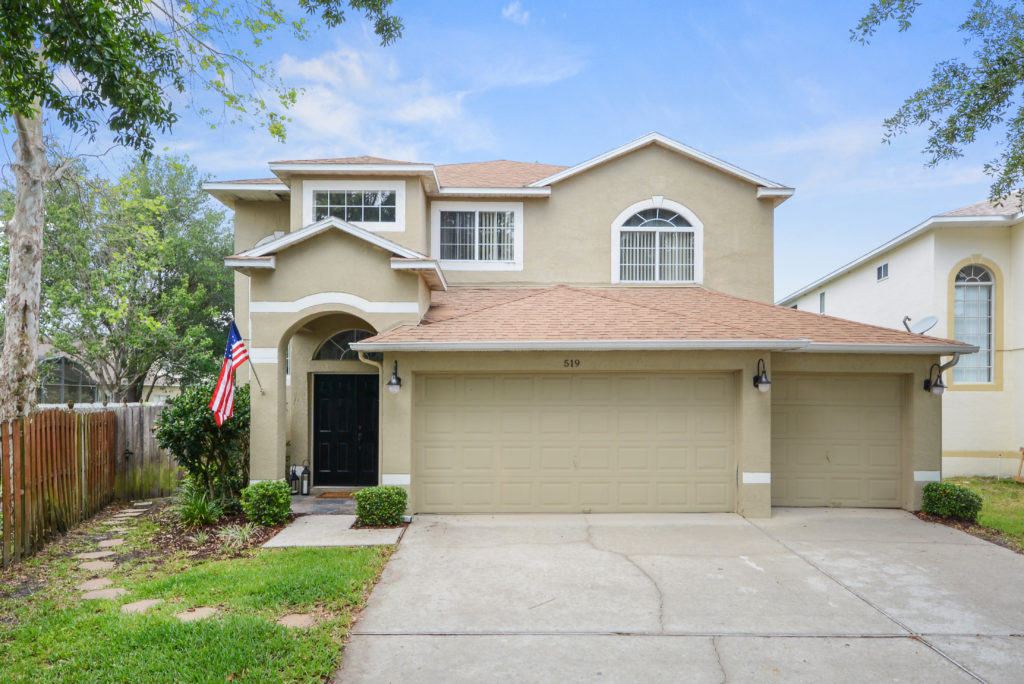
{"x":961,"y":268}
{"x":516,"y":337}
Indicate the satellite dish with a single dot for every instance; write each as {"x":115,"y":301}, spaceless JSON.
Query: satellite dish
{"x":924,"y":325}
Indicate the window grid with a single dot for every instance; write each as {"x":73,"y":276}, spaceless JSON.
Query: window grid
{"x":337,"y":347}
{"x":373,"y":206}
{"x":658,"y":253}
{"x":478,"y":235}
{"x":973,"y":323}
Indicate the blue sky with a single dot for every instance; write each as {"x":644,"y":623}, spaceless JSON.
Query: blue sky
{"x":774,"y":87}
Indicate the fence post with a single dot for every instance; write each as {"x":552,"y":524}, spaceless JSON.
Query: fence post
{"x":6,"y":473}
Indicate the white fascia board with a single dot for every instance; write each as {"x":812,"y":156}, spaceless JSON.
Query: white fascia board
{"x":245,"y":187}
{"x":495,"y":192}
{"x":783,"y":193}
{"x":660,"y":139}
{"x":267,"y":262}
{"x":909,"y":348}
{"x":586,"y":345}
{"x":332,"y":222}
{"x":431,"y":265}
{"x":933,"y":222}
{"x":321,"y":298}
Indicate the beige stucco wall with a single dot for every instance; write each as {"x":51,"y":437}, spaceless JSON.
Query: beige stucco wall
{"x":568,"y":236}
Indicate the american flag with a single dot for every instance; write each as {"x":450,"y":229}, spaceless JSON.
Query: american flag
{"x":223,"y":402}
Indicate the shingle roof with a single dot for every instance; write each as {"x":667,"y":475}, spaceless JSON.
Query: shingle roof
{"x":493,"y":174}
{"x":344,"y":160}
{"x":570,"y":314}
{"x":1010,"y":206}
{"x":255,"y":181}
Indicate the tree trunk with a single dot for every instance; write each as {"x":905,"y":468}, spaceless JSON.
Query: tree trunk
{"x":18,"y":359}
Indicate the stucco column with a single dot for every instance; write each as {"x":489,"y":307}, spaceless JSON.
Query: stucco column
{"x":754,"y":444}
{"x":922,"y":427}
{"x":396,"y":427}
{"x":267,"y":426}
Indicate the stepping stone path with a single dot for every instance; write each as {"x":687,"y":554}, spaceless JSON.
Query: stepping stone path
{"x":110,"y":543}
{"x":142,"y":504}
{"x":91,"y":555}
{"x":140,"y":606}
{"x":111,"y":593}
{"x":97,"y":566}
{"x":94,"y":584}
{"x":118,"y":530}
{"x":297,"y":621}
{"x":193,"y":614}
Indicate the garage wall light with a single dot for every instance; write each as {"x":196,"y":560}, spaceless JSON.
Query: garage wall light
{"x":761,"y":381}
{"x":394,"y":382}
{"x":935,"y":386}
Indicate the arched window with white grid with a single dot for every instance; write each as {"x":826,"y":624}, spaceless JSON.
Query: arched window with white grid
{"x":974,"y":322}
{"x":657,"y":241}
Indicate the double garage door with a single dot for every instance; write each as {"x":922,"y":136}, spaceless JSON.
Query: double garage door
{"x":574,"y":443}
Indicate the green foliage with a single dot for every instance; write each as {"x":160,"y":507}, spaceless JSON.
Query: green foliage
{"x":268,"y":502}
{"x":380,"y":506}
{"x":195,"y":507}
{"x":235,"y":536}
{"x":134,"y":286}
{"x":216,"y":457}
{"x":948,"y":500}
{"x":966,"y":98}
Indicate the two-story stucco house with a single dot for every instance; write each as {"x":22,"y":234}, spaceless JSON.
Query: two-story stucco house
{"x":961,"y":268}
{"x":517,"y":337}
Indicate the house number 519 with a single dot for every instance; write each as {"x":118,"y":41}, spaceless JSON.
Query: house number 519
{"x":571,"y":363}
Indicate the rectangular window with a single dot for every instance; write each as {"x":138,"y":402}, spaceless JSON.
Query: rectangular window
{"x":821,"y":303}
{"x":882,"y":272}
{"x":655,"y":256}
{"x":972,"y":311}
{"x":355,"y":206}
{"x":478,"y":235}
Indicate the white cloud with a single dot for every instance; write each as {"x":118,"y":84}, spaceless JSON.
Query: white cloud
{"x":514,"y":12}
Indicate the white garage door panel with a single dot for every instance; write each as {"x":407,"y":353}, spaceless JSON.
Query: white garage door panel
{"x":836,"y":440}
{"x":565,"y":443}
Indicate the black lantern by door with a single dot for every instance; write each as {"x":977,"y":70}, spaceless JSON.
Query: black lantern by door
{"x":305,"y":480}
{"x":294,"y":482}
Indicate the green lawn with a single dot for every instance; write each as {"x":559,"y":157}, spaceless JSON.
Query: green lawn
{"x":1003,"y":506}
{"x":54,"y":636}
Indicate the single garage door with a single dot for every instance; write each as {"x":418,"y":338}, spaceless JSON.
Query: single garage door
{"x":573,"y":442}
{"x":836,"y":440}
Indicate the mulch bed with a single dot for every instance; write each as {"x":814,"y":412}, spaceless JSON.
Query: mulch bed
{"x":174,"y":537}
{"x":975,"y":530}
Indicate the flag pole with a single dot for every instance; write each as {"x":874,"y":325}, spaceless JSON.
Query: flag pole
{"x":253,"y":369}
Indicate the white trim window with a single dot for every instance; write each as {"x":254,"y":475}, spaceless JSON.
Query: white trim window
{"x":657,"y":241}
{"x":973,"y":322}
{"x":477,"y":236}
{"x":371,"y":205}
{"x":821,"y":302}
{"x":882,"y":272}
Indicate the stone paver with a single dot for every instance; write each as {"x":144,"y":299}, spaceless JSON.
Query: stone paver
{"x":142,"y":504}
{"x":117,"y":530}
{"x":111,"y":593}
{"x":92,"y":555}
{"x":297,"y":621}
{"x":94,"y":584}
{"x":110,"y":543}
{"x":97,"y":566}
{"x":128,"y":514}
{"x":331,"y":530}
{"x":140,"y":606}
{"x":194,"y":614}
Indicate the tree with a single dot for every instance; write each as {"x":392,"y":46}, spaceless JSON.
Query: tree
{"x":967,"y":97}
{"x":126,"y":60}
{"x":133,"y":284}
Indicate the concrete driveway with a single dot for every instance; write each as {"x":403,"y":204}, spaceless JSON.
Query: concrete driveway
{"x":810,"y":595}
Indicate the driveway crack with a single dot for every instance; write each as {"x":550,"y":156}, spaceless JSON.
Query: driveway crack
{"x":718,"y":657}
{"x":629,"y":559}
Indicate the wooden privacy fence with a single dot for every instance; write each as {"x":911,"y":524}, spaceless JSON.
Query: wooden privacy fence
{"x":56,"y":469}
{"x":143,"y":469}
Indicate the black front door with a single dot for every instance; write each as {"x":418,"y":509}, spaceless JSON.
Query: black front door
{"x":345,"y":429}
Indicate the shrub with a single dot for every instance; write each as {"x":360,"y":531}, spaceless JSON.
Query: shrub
{"x":194,"y":506}
{"x":379,"y":506}
{"x":217,"y":458}
{"x":268,"y":502}
{"x":948,"y":500}
{"x":235,"y":536}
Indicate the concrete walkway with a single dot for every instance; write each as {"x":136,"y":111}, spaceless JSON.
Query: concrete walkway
{"x":331,"y":530}
{"x":810,"y":595}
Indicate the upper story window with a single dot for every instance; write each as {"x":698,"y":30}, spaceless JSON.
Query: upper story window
{"x":973,"y":322}
{"x":882,"y":272}
{"x":377,"y":205}
{"x":821,"y":303}
{"x":468,"y":236}
{"x":657,"y":241}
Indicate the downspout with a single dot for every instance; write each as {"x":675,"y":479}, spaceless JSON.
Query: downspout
{"x":944,"y":366}
{"x":380,"y":366}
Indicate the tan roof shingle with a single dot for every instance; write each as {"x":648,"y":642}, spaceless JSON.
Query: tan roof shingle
{"x":493,"y":174}
{"x":344,"y":160}
{"x":1011,"y":206}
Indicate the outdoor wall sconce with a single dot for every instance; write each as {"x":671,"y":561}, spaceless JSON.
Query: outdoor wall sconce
{"x":935,"y":386}
{"x":394,"y":382}
{"x":761,"y":381}
{"x":305,"y":480}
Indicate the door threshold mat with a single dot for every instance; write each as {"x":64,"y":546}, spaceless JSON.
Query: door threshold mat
{"x":335,"y":495}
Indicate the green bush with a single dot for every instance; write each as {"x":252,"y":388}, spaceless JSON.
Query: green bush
{"x":194,"y":505}
{"x":217,"y":458}
{"x":380,"y":506}
{"x":268,"y":502}
{"x":948,"y":500}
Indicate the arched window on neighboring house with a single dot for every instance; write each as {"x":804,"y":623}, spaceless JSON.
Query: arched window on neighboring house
{"x":62,"y":380}
{"x":336,"y":348}
{"x":974,"y":322}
